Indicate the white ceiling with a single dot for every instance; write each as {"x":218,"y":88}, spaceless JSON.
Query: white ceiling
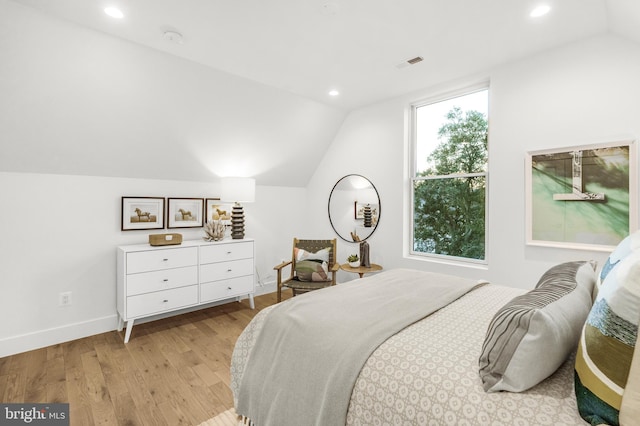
{"x":311,"y":46}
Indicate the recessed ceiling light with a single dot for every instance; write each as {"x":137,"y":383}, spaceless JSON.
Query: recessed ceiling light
{"x":540,"y":10}
{"x":114,"y":12}
{"x":333,"y":93}
{"x":173,"y":37}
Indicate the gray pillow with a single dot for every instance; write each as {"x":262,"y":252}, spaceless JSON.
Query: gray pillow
{"x":533,"y":334}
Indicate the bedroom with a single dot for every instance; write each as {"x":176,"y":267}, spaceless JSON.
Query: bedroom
{"x":63,"y":169}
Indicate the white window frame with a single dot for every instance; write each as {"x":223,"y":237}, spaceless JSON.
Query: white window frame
{"x":467,"y":90}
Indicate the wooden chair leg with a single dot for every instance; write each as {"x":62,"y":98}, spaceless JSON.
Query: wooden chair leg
{"x":279,"y":284}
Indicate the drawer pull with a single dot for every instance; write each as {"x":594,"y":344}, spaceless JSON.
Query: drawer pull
{"x":165,"y":300}
{"x":165,"y":260}
{"x":166,"y":280}
{"x":229,"y":270}
{"x":228,"y":288}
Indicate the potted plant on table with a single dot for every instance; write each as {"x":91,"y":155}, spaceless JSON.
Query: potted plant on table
{"x":353,"y":260}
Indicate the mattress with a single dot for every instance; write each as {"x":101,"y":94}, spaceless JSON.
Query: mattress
{"x":427,"y":374}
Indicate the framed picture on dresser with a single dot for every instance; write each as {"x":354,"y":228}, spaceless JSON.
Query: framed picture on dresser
{"x":185,"y":212}
{"x":142,"y":213}
{"x":216,"y":210}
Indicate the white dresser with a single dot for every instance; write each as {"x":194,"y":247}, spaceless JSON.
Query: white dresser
{"x":156,"y":280}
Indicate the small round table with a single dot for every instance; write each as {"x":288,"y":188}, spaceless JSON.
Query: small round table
{"x":360,"y":270}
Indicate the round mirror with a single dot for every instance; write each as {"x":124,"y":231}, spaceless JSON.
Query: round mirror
{"x":354,"y":208}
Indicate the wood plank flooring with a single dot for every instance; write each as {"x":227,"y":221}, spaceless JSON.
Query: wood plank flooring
{"x":173,"y":371}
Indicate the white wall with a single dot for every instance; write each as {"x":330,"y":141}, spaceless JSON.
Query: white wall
{"x":76,"y":104}
{"x":583,"y":93}
{"x":59,"y":233}
{"x":80,"y":102}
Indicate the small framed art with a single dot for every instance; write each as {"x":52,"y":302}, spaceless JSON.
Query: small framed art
{"x":184,"y":212}
{"x":358,"y":210}
{"x":142,"y":213}
{"x":582,"y":197}
{"x":215,"y":210}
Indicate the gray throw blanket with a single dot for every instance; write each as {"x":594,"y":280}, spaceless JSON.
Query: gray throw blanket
{"x":311,"y":349}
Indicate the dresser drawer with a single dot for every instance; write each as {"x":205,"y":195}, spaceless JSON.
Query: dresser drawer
{"x":161,"y":301}
{"x":226,"y":270}
{"x":224,"y":289}
{"x":165,"y":279}
{"x":153,"y":280}
{"x":153,"y":260}
{"x":224,"y":252}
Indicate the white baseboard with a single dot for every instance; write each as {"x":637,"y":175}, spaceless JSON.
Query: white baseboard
{"x":52,"y":336}
{"x":268,"y":287}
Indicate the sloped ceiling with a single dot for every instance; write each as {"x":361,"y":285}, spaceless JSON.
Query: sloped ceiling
{"x":311,"y":46}
{"x":624,"y":18}
{"x":248,"y":91}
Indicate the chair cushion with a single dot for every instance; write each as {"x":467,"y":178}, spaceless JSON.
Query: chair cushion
{"x":533,"y":334}
{"x":311,"y":270}
{"x":608,"y":342}
{"x":312,"y":266}
{"x":306,"y":285}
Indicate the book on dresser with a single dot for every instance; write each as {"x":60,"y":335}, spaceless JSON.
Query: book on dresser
{"x":153,"y":280}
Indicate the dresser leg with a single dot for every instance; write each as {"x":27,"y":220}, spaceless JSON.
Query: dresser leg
{"x":120,"y":322}
{"x":251,"y":302}
{"x":127,"y":334}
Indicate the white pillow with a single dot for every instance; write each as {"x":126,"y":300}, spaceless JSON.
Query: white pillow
{"x":533,"y":334}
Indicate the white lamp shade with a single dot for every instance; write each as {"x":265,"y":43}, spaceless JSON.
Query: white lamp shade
{"x":238,"y":189}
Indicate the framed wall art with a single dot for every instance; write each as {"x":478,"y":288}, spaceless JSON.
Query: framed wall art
{"x":215,"y":210}
{"x":185,"y":212}
{"x":582,"y":197}
{"x":142,"y":213}
{"x":358,"y":210}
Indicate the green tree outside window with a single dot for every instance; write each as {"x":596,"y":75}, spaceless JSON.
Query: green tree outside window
{"x":449,"y":195}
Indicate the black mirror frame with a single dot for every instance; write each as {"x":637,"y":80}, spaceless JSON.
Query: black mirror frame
{"x":379,"y":208}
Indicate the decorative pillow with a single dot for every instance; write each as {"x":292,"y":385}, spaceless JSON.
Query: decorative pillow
{"x":622,"y":250}
{"x":532,"y":335}
{"x":630,"y":408}
{"x":301,"y":254}
{"x":312,"y":266}
{"x":607,"y":343}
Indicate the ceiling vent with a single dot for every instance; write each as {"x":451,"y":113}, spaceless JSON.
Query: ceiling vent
{"x":411,"y":61}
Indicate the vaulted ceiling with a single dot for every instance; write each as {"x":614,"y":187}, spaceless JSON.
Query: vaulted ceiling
{"x":358,"y":47}
{"x":194,"y":89}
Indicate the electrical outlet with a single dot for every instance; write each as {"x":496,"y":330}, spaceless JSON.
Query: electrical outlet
{"x":64,"y":299}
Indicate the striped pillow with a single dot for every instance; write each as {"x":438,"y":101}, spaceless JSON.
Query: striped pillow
{"x":532,"y":335}
{"x":607,"y":343}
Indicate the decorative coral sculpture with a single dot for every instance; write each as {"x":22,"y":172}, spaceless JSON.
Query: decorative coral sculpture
{"x":214,"y":230}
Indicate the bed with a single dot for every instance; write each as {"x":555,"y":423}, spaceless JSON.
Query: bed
{"x":426,"y":372}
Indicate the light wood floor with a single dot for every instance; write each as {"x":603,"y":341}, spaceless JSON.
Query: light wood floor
{"x":173,"y":371}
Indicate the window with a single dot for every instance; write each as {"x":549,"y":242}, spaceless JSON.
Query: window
{"x":449,"y":176}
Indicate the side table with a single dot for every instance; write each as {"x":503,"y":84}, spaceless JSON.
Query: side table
{"x":361,"y":270}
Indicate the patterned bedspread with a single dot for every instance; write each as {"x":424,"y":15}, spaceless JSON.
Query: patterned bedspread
{"x":428,"y":374}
